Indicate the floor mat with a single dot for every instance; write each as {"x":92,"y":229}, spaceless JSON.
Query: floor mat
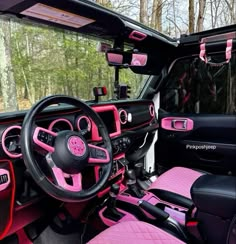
{"x":50,"y":236}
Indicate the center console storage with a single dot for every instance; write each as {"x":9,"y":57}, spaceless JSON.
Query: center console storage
{"x":215,"y":199}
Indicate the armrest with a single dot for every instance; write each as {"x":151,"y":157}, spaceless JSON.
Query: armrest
{"x":215,"y":195}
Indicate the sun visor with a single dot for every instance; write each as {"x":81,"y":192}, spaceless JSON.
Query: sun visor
{"x":51,"y":14}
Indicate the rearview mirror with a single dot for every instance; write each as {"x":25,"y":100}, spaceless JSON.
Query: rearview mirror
{"x":126,"y":59}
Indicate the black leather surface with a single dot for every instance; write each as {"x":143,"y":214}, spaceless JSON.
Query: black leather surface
{"x":172,"y":197}
{"x":215,"y":195}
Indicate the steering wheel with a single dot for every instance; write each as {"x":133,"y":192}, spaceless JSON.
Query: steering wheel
{"x":67,"y":153}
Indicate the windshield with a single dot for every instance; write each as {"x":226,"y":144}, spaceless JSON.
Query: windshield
{"x":36,"y":61}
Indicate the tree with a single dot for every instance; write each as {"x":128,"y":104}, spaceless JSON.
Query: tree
{"x":8,"y":85}
{"x":201,"y":12}
{"x":231,"y":4}
{"x":143,"y":14}
{"x":191,"y":18}
{"x":156,"y":16}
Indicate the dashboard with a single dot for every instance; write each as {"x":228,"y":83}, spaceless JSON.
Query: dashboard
{"x":127,"y":122}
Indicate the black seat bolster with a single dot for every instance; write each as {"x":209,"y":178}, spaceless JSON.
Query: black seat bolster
{"x":215,"y":194}
{"x":173,"y":198}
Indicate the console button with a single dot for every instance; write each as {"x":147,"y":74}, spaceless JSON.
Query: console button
{"x":3,"y":179}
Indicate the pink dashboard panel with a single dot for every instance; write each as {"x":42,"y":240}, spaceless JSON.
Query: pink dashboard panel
{"x":177,"y":124}
{"x":95,"y":133}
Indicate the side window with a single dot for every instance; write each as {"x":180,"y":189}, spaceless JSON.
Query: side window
{"x":195,"y":87}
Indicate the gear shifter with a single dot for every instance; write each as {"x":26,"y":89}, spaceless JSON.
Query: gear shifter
{"x":111,"y":212}
{"x":133,"y":190}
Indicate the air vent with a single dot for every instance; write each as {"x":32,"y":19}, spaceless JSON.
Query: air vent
{"x":11,"y":141}
{"x":151,"y":110}
{"x":123,"y":116}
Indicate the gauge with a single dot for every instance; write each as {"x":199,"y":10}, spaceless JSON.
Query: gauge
{"x":84,"y":124}
{"x":60,"y":125}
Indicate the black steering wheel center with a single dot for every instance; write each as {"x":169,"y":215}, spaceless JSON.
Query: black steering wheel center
{"x":71,"y":152}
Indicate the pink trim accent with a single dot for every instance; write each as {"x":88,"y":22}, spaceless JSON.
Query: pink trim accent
{"x":202,"y":54}
{"x":6,"y":184}
{"x":76,"y":146}
{"x":98,"y":160}
{"x":109,"y":222}
{"x":95,"y":133}
{"x":125,"y":114}
{"x":115,"y":58}
{"x":228,"y":51}
{"x":42,"y":144}
{"x":11,"y":155}
{"x":88,"y":121}
{"x":60,"y":178}
{"x":60,"y":120}
{"x":137,"y":35}
{"x":180,"y":217}
{"x":152,"y":110}
{"x":178,"y":180}
{"x":177,"y":124}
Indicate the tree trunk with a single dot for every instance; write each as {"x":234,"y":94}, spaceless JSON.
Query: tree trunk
{"x":156,"y":17}
{"x":105,"y":3}
{"x":201,"y":12}
{"x":191,"y":16}
{"x":8,"y":84}
{"x":143,"y":14}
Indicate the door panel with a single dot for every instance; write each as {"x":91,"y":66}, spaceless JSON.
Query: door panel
{"x":206,"y":142}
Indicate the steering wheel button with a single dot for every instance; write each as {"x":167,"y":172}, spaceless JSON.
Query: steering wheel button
{"x":100,"y":154}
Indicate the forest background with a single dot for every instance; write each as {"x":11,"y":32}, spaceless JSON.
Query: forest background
{"x":35,"y":62}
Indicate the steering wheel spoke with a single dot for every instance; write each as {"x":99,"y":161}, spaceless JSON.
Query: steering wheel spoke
{"x":44,"y":138}
{"x":62,"y":178}
{"x":98,"y":155}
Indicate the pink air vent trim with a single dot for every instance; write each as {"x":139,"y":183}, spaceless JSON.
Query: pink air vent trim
{"x":4,"y":135}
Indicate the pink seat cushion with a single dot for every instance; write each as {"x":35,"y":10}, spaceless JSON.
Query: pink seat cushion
{"x":178,"y":180}
{"x":136,"y":232}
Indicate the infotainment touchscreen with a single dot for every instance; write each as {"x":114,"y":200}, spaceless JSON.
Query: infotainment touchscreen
{"x":109,"y":120}
{"x":110,"y":116}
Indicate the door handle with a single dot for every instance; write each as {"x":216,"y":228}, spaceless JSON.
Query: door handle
{"x":179,"y":124}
